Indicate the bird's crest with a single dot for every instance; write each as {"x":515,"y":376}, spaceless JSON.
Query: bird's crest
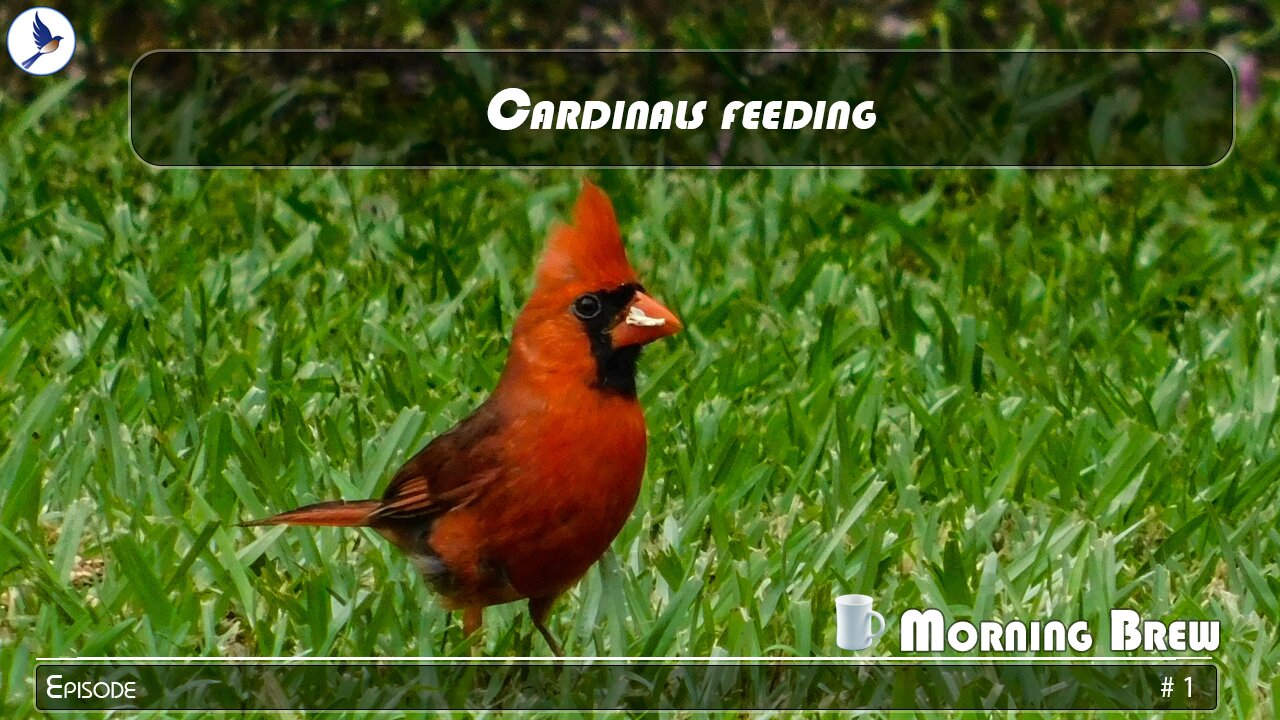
{"x":588,"y":253}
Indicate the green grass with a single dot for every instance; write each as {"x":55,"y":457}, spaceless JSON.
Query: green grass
{"x":1006,"y":394}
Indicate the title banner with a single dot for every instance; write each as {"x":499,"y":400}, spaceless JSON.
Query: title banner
{"x":595,"y":108}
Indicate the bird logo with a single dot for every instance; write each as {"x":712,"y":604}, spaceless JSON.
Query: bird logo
{"x":48,"y":33}
{"x":46,"y":42}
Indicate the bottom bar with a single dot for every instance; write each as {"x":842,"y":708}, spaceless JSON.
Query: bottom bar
{"x":627,"y":685}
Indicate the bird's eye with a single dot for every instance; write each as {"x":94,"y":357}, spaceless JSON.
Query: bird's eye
{"x":586,"y":306}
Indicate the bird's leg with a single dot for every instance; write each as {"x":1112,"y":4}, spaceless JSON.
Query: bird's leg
{"x":538,"y":609}
{"x":472,"y":620}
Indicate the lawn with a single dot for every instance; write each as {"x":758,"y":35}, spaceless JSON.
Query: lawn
{"x":1005,"y":394}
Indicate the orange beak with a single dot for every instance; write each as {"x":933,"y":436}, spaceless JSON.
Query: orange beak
{"x":644,"y":321}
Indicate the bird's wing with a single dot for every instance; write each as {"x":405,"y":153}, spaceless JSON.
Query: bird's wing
{"x":42,"y":35}
{"x":451,"y":471}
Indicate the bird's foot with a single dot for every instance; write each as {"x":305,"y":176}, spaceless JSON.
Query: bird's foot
{"x":551,"y":642}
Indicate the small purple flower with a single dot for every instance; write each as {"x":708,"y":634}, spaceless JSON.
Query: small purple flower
{"x":896,"y":28}
{"x":782,"y":40}
{"x":1247,"y":70}
{"x":1188,"y":12}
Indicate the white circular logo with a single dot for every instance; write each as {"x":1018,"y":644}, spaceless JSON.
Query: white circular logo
{"x":41,"y":41}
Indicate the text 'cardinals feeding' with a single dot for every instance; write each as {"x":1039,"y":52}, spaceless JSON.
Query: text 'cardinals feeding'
{"x":518,"y":500}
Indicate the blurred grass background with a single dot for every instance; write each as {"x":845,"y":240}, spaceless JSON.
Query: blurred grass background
{"x":1005,"y":394}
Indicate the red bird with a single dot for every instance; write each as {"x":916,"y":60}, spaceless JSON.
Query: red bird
{"x":519,"y":499}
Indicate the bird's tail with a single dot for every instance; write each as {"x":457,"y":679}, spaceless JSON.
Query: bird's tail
{"x":335,"y":513}
{"x":26,"y":65}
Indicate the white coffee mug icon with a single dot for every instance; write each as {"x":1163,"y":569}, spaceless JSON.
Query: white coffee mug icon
{"x":853,"y":622}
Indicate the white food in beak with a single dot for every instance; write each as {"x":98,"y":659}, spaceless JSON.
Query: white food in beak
{"x":636,"y":317}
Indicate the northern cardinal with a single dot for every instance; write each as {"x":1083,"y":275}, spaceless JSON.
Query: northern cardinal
{"x":518,"y":500}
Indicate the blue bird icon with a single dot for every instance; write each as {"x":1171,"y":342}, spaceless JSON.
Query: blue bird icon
{"x":46,"y":42}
